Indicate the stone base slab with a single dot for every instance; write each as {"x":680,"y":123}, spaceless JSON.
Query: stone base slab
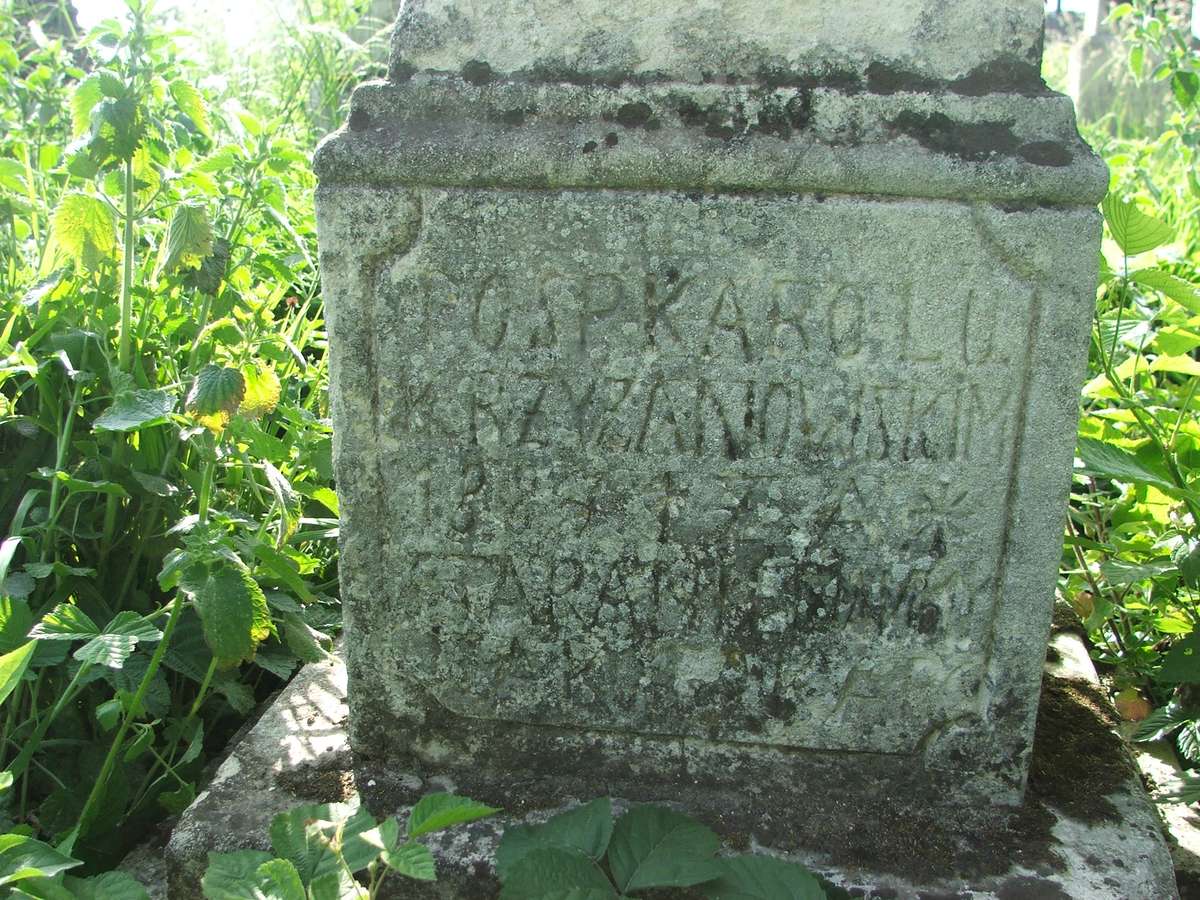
{"x":1088,"y":830}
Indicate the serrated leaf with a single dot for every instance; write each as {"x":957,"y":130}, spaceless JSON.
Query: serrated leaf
{"x":300,"y":835}
{"x":1161,"y":722}
{"x":547,"y":870}
{"x":262,"y":391}
{"x":1110,"y":461}
{"x":653,"y":846}
{"x":84,"y":228}
{"x":763,"y":878}
{"x":1182,"y":292}
{"x":189,"y":240}
{"x":434,"y":812}
{"x":1119,"y":572}
{"x":232,"y":876}
{"x":1181,"y":664}
{"x":109,"y":650}
{"x":1133,"y":230}
{"x":1181,"y":365}
{"x":280,"y":568}
{"x":279,"y":880}
{"x":215,"y":395}
{"x":134,"y":410}
{"x":191,"y":103}
{"x":87,"y":94}
{"x":587,"y":829}
{"x":66,"y":622}
{"x":114,"y":885}
{"x":233,"y":610}
{"x":13,"y":666}
{"x":412,"y":860}
{"x":23,"y":857}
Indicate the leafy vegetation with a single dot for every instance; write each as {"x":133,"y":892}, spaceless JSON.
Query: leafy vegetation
{"x":319,"y":849}
{"x":583,"y":855}
{"x":1132,"y":557}
{"x":166,"y":508}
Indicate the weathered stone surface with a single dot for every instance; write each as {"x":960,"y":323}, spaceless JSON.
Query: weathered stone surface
{"x":1117,"y":856}
{"x":704,"y":439}
{"x":718,"y":39}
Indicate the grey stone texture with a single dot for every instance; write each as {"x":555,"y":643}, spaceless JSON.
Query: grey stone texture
{"x":297,"y":753}
{"x":704,"y":433}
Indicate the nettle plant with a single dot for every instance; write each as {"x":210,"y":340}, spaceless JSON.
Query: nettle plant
{"x":584,"y":855}
{"x":337,"y":851}
{"x":165,"y":500}
{"x":1132,"y":532}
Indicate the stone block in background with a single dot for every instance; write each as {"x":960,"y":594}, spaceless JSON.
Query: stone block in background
{"x":705,"y":381}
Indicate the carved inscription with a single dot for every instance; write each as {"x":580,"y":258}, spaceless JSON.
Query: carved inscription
{"x":700,"y":479}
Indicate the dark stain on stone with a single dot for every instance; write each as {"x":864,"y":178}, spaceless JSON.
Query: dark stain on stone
{"x":941,"y":895}
{"x":589,"y":146}
{"x":1046,"y":153}
{"x":401,"y":71}
{"x":1052,"y":655}
{"x":513,"y":117}
{"x":1004,"y":75}
{"x":360,"y":119}
{"x":634,"y":115}
{"x":885,"y":78}
{"x":610,"y":139}
{"x":1028,"y":887}
{"x":476,"y":72}
{"x":970,"y":141}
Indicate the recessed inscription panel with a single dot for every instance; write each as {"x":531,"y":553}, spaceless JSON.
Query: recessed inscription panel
{"x":678,"y":465}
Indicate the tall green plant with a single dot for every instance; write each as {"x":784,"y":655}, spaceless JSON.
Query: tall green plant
{"x":165,"y":498}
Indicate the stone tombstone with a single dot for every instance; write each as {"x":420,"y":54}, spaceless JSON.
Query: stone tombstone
{"x":704,"y":384}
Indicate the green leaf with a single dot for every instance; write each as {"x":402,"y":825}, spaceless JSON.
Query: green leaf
{"x":1119,"y":572}
{"x":191,"y":103}
{"x":1181,"y":665}
{"x":232,"y":876}
{"x":66,"y":622}
{"x":551,"y":869}
{"x":1161,"y":722}
{"x":262,"y":391}
{"x":434,"y":812}
{"x":412,"y":860}
{"x":216,"y":393}
{"x":657,"y":847}
{"x":303,"y":640}
{"x":1182,"y":292}
{"x":279,"y":880}
{"x":1111,"y":461}
{"x":586,"y":829}
{"x":1185,"y":85}
{"x":85,"y":229}
{"x":118,"y":641}
{"x":233,"y":610}
{"x":134,"y":410}
{"x":296,"y":836}
{"x":1133,"y":230}
{"x":13,"y":666}
{"x":109,"y":886}
{"x":88,"y":93}
{"x":189,"y":240}
{"x":763,"y":878}
{"x":279,"y":567}
{"x":23,"y":857}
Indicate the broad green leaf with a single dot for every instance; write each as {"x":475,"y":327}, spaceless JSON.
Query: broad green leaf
{"x":586,"y":829}
{"x":1181,"y":665}
{"x":232,"y":608}
{"x":1110,"y":461}
{"x":133,"y":410}
{"x":763,"y":878}
{"x":1176,"y":341}
{"x":1182,"y":365}
{"x":279,"y":567}
{"x":279,"y":880}
{"x":262,"y":391}
{"x":329,"y":499}
{"x":13,"y":666}
{"x":1133,"y":230}
{"x":232,"y":876}
{"x":23,"y":857}
{"x":653,"y":846}
{"x":434,"y":812}
{"x":1182,"y":292}
{"x":296,"y":836}
{"x":412,"y":860}
{"x":114,"y":885}
{"x":551,"y":869}
{"x":1120,"y":573}
{"x":88,"y":93}
{"x":66,"y":622}
{"x":216,"y":395}
{"x":191,"y":103}
{"x":359,"y":837}
{"x":84,"y":228}
{"x":303,"y":640}
{"x":15,"y":617}
{"x":6,"y":780}
{"x":189,"y":240}
{"x":118,"y":641}
{"x":577,"y":894}
{"x":1185,"y":85}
